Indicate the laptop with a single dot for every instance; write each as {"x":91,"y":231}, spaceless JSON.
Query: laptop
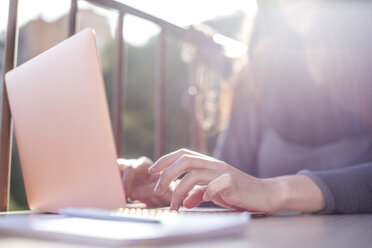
{"x":63,"y":130}
{"x":68,"y":156}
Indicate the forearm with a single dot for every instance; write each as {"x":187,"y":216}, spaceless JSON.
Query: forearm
{"x":297,"y":193}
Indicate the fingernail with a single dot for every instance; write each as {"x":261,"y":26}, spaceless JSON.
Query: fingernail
{"x":206,"y":197}
{"x":173,"y":206}
{"x":152,"y":169}
{"x":158,"y":188}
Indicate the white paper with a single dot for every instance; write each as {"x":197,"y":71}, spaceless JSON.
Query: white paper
{"x":108,"y":232}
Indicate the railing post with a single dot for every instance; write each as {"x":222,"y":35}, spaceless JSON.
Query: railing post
{"x":72,"y":18}
{"x":160,"y":94}
{"x":6,"y":122}
{"x":193,"y":92}
{"x":197,"y":133}
{"x":119,"y":86}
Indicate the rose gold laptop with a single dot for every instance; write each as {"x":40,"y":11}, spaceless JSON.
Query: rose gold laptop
{"x":63,"y":129}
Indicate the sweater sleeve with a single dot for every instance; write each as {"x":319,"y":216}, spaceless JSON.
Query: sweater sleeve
{"x":347,"y":190}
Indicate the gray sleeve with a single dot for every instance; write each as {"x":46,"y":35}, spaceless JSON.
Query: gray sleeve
{"x":347,"y":190}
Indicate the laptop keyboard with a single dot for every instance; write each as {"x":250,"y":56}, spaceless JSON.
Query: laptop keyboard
{"x":139,"y":214}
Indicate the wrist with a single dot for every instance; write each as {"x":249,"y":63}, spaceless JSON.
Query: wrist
{"x":298,"y":193}
{"x":279,"y":194}
{"x":284,"y":193}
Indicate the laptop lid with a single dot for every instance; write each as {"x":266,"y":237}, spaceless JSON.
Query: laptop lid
{"x":63,"y":129}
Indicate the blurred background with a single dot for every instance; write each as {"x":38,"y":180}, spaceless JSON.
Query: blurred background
{"x":44,"y":23}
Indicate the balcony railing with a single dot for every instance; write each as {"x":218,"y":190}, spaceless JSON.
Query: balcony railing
{"x":194,"y":37}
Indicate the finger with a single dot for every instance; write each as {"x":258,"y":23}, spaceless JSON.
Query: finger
{"x":130,"y":172}
{"x":217,"y":189}
{"x":127,"y":179}
{"x":218,"y":200}
{"x":121,"y":168}
{"x":180,"y":166}
{"x":195,"y":198}
{"x":154,"y":202}
{"x":141,"y":193}
{"x":186,"y":185}
{"x":143,"y":162}
{"x":142,"y":174}
{"x":167,"y":160}
{"x":222,"y":183}
{"x":145,"y":195}
{"x":126,"y":162}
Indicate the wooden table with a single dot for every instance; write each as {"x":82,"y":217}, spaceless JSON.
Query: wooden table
{"x":281,"y":230}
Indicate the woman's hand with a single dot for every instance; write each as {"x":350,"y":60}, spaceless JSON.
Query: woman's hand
{"x":217,"y":181}
{"x":139,"y":184}
{"x":208,"y":179}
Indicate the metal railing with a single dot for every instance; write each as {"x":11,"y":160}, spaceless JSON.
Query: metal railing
{"x":192,"y":36}
{"x":6,"y":123}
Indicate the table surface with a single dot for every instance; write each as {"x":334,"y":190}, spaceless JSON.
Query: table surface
{"x":281,"y":230}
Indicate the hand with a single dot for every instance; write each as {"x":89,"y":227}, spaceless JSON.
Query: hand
{"x":139,"y":184}
{"x":221,"y":183}
{"x":208,"y":179}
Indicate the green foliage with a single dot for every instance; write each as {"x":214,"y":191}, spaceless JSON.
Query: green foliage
{"x":15,"y":206}
{"x":141,"y":95}
{"x":17,"y":189}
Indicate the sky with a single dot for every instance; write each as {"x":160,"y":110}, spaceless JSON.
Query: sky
{"x":182,"y":13}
